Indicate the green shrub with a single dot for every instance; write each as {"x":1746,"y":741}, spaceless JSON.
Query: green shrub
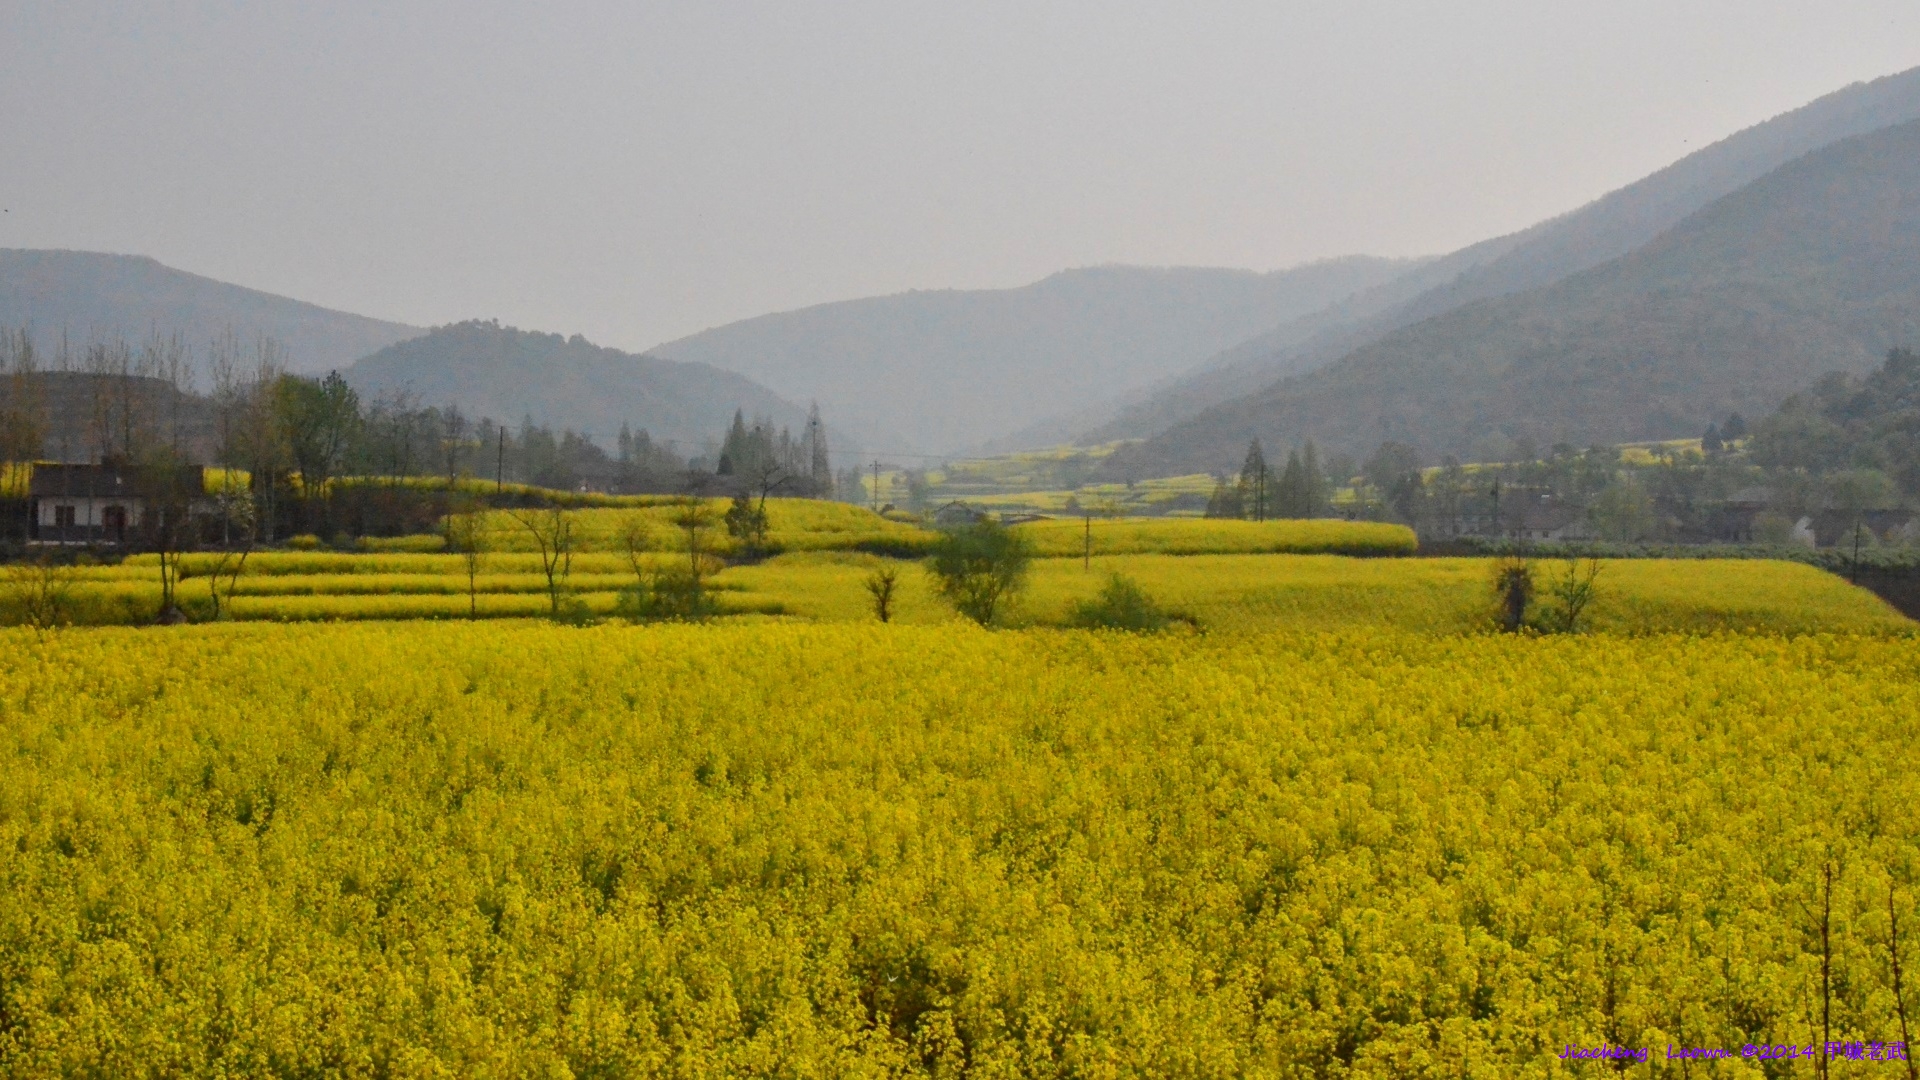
{"x":1121,"y":605}
{"x":667,"y":593}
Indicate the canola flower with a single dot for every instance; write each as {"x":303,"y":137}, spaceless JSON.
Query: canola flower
{"x":515,"y":849}
{"x":1237,"y":594}
{"x":1209,"y":536}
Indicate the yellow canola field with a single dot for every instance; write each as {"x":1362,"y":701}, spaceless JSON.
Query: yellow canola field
{"x":512,"y":849}
{"x":1259,"y":593}
{"x":1226,"y":593}
{"x":1204,"y":536}
{"x":793,"y":525}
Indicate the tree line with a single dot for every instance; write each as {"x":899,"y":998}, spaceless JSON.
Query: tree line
{"x":1840,"y":460}
{"x":307,"y":445}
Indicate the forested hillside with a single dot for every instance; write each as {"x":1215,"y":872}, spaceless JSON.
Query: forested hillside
{"x":1808,"y":270}
{"x":489,"y":370}
{"x":1546,"y":253}
{"x":91,"y":296}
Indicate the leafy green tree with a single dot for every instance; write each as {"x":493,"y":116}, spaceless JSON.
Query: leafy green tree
{"x":1622,"y":511}
{"x":1394,"y":472}
{"x":747,"y":522}
{"x":1256,"y":484}
{"x":1314,"y":483}
{"x":919,"y":490}
{"x":979,"y":568}
{"x":1290,"y":493}
{"x":667,"y":591}
{"x":319,"y":419}
{"x":1225,"y":501}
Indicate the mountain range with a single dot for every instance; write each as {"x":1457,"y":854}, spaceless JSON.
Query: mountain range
{"x":952,"y":369}
{"x":489,"y":370}
{"x":1807,"y":270}
{"x":1536,"y":257}
{"x":89,"y":296}
{"x":1725,"y":281}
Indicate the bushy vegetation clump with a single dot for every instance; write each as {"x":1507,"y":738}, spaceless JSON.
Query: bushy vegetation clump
{"x":1120,"y":605}
{"x":980,"y":568}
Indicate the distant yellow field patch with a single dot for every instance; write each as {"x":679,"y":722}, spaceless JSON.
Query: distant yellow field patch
{"x":1198,"y":536}
{"x":1260,"y":593}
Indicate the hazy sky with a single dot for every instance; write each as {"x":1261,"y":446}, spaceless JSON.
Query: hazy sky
{"x":638,"y":171}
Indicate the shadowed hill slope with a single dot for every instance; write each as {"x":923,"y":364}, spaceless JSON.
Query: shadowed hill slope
{"x":490,"y":370}
{"x":1810,"y":269}
{"x":1607,"y":228}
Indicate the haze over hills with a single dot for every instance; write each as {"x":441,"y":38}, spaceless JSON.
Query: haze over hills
{"x":1550,"y":251}
{"x":1114,"y":352}
{"x":952,"y":369}
{"x":490,"y":370}
{"x":91,"y":295}
{"x":1809,"y":269}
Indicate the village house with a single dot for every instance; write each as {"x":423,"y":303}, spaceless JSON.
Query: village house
{"x":108,"y":503}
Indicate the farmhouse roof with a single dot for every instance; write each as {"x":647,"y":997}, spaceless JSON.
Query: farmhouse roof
{"x":110,"y":480}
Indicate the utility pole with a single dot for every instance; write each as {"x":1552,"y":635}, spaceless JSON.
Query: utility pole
{"x":876,"y":485}
{"x":500,"y":464}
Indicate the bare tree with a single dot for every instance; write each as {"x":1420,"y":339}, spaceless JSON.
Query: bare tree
{"x":760,"y":476}
{"x":234,"y":504}
{"x":453,"y":441}
{"x":168,"y":528}
{"x":227,"y":567}
{"x":164,"y":360}
{"x":635,"y":540}
{"x":40,"y":591}
{"x":115,"y":419}
{"x":1571,"y":591}
{"x":23,"y":421}
{"x":263,"y":444}
{"x":552,"y":533}
{"x":665,"y":590}
{"x":1899,"y":993}
{"x":467,"y":536}
{"x":693,"y":516}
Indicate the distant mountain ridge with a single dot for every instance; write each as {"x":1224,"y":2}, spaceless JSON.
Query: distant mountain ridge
{"x":952,"y":369}
{"x":89,"y":294}
{"x":490,"y":370}
{"x":1550,"y":251}
{"x":1808,"y":269}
